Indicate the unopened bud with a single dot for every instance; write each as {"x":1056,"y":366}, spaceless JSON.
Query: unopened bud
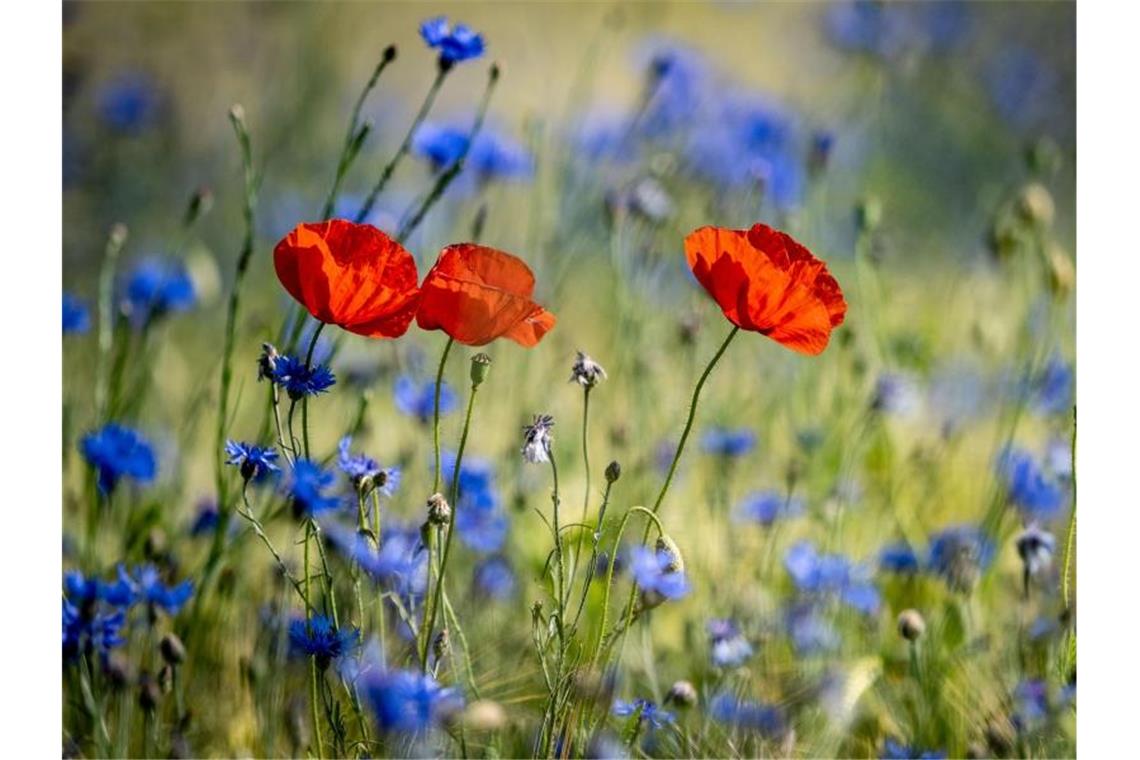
{"x":668,"y":547}
{"x":1036,"y":204}
{"x":267,"y":362}
{"x":613,"y":472}
{"x":439,"y":511}
{"x":149,"y":693}
{"x":480,"y":365}
{"x":390,"y":53}
{"x":484,"y":715}
{"x":496,"y":70}
{"x":682,"y":694}
{"x":117,"y":235}
{"x":1062,"y":273}
{"x":166,"y":679}
{"x":172,"y":648}
{"x":869,"y":214}
{"x":911,"y":625}
{"x":200,"y":204}
{"x":237,"y":115}
{"x":441,"y":647}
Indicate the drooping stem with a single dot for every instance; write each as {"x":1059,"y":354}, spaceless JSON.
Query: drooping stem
{"x":432,"y":609}
{"x":435,"y":413}
{"x":405,"y":144}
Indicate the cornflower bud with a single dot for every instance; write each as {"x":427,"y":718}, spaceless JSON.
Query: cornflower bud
{"x":911,"y":625}
{"x":439,"y":511}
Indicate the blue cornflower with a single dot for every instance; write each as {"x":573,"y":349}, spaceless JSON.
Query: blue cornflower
{"x":480,"y":519}
{"x":400,"y":563}
{"x":765,"y":507}
{"x":898,"y":558}
{"x":1053,"y":388}
{"x":76,"y":315}
{"x":298,"y":380}
{"x":726,"y":442}
{"x":944,"y":23}
{"x":1031,"y":699}
{"x":646,"y":711}
{"x":144,"y":585}
{"x":253,"y":461}
{"x":652,"y":572}
{"x":958,"y":552}
{"x":484,"y":530}
{"x":155,"y":288}
{"x":365,"y":472}
{"x":726,"y":707}
{"x":729,"y":647}
{"x":810,"y":632}
{"x":1035,"y":494}
{"x":495,"y":578}
{"x":86,"y":630}
{"x":870,"y":27}
{"x":458,"y":43}
{"x":129,"y":103}
{"x":893,"y":750}
{"x":493,"y":156}
{"x":831,"y":574}
{"x":440,"y":144}
{"x":678,"y":80}
{"x":604,"y":136}
{"x":417,"y":399}
{"x":206,"y":520}
{"x":318,"y":638}
{"x":407,"y":702}
{"x":862,"y":596}
{"x":307,"y":489}
{"x":896,"y":394}
{"x":1023,"y":87}
{"x":118,"y":452}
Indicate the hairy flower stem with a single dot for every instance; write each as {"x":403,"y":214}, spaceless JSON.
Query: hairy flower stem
{"x":305,"y":399}
{"x":435,"y":415}
{"x":405,"y":145}
{"x":591,"y":566}
{"x":247,"y":512}
{"x":586,"y":467}
{"x":432,"y":609}
{"x":313,"y":689}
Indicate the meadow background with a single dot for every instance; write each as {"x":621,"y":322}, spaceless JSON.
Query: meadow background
{"x":925,"y":151}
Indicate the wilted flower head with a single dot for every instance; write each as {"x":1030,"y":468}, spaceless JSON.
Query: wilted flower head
{"x":267,"y":362}
{"x":319,"y":638}
{"x":586,"y":372}
{"x":537,"y":439}
{"x":300,"y":381}
{"x":406,"y":702}
{"x":253,"y":461}
{"x":118,"y":452}
{"x":458,"y":43}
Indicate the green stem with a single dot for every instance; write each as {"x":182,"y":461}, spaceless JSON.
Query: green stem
{"x":305,"y":399}
{"x":590,"y":568}
{"x":435,"y":414}
{"x":586,"y":466}
{"x":313,"y":689}
{"x":405,"y":145}
{"x":115,"y":241}
{"x":259,"y":529}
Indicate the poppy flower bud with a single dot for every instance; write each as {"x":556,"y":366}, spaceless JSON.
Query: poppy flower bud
{"x":869,"y":214}
{"x":911,"y":625}
{"x":613,"y":472}
{"x":439,"y":511}
{"x":172,"y":648}
{"x":682,"y":694}
{"x":1035,"y":203}
{"x":668,"y":547}
{"x":480,"y":365}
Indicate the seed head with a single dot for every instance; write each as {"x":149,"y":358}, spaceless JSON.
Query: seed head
{"x":537,"y":439}
{"x":681,"y":694}
{"x":911,"y":625}
{"x":439,"y":511}
{"x":586,"y":372}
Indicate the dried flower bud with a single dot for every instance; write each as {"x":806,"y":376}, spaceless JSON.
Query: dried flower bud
{"x":682,"y":694}
{"x":172,"y":648}
{"x":439,"y":511}
{"x":613,"y":472}
{"x":586,"y":372}
{"x":200,"y":203}
{"x":166,"y":679}
{"x":441,"y":647}
{"x":668,"y":547}
{"x":267,"y":362}
{"x":480,"y":364}
{"x":911,"y":625}
{"x":118,"y":670}
{"x":537,"y":439}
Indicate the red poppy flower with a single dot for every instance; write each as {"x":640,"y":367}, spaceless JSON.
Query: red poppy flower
{"x":476,"y":294}
{"x":350,"y":275}
{"x":766,"y":282}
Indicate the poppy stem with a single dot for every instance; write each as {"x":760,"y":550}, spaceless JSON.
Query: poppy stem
{"x":435,"y":413}
{"x":305,"y":399}
{"x":405,"y":146}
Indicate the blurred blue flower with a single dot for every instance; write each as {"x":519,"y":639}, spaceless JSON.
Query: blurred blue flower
{"x":90,"y":631}
{"x":495,"y":578}
{"x":484,"y":530}
{"x":206,"y":520}
{"x":646,"y":711}
{"x":862,"y":596}
{"x":300,"y":381}
{"x":129,"y":103}
{"x":727,"y":708}
{"x":318,"y":638}
{"x":118,"y":452}
{"x":76,"y":315}
{"x":898,"y":558}
{"x":956,"y":553}
{"x":896,"y":394}
{"x":1028,"y":487}
{"x":400,"y":564}
{"x":479,"y":518}
{"x":816,"y":573}
{"x":867,"y":26}
{"x":678,"y":80}
{"x":1052,"y":389}
{"x":440,"y":144}
{"x":1031,"y":703}
{"x":809,"y":631}
{"x":765,"y":507}
{"x":307,"y":488}
{"x":945,"y":24}
{"x":1023,"y":87}
{"x":456,"y":44}
{"x":409,"y":703}
{"x":154,"y":288}
{"x":493,"y":156}
{"x":254,"y":462}
{"x":603,"y":136}
{"x":362,"y":470}
{"x":650,"y":570}
{"x":144,"y":585}
{"x":728,"y":442}
{"x":893,"y":750}
{"x":417,"y":399}
{"x":729,"y":647}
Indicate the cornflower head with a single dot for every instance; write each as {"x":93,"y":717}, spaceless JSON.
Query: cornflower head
{"x":76,"y":315}
{"x":144,"y":585}
{"x":406,"y":702}
{"x":767,"y":720}
{"x":1031,"y":699}
{"x":90,"y":631}
{"x":400,"y":563}
{"x":809,"y":631}
{"x":765,"y":507}
{"x":537,"y":439}
{"x":320,"y":639}
{"x":254,"y":462}
{"x":493,"y":155}
{"x":155,"y":288}
{"x":1035,"y":547}
{"x":729,"y":647}
{"x":1052,"y":388}
{"x":647,"y":712}
{"x":307,"y":485}
{"x":267,"y":363}
{"x":129,"y":103}
{"x":117,"y":452}
{"x":728,"y":443}
{"x":417,"y":399}
{"x":831,"y":574}
{"x":456,"y":44}
{"x":959,"y":553}
{"x":300,"y":381}
{"x":365,"y":472}
{"x":897,"y":395}
{"x":1036,"y":495}
{"x":206,"y":519}
{"x":898,"y":557}
{"x":895,"y":750}
{"x":586,"y":372}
